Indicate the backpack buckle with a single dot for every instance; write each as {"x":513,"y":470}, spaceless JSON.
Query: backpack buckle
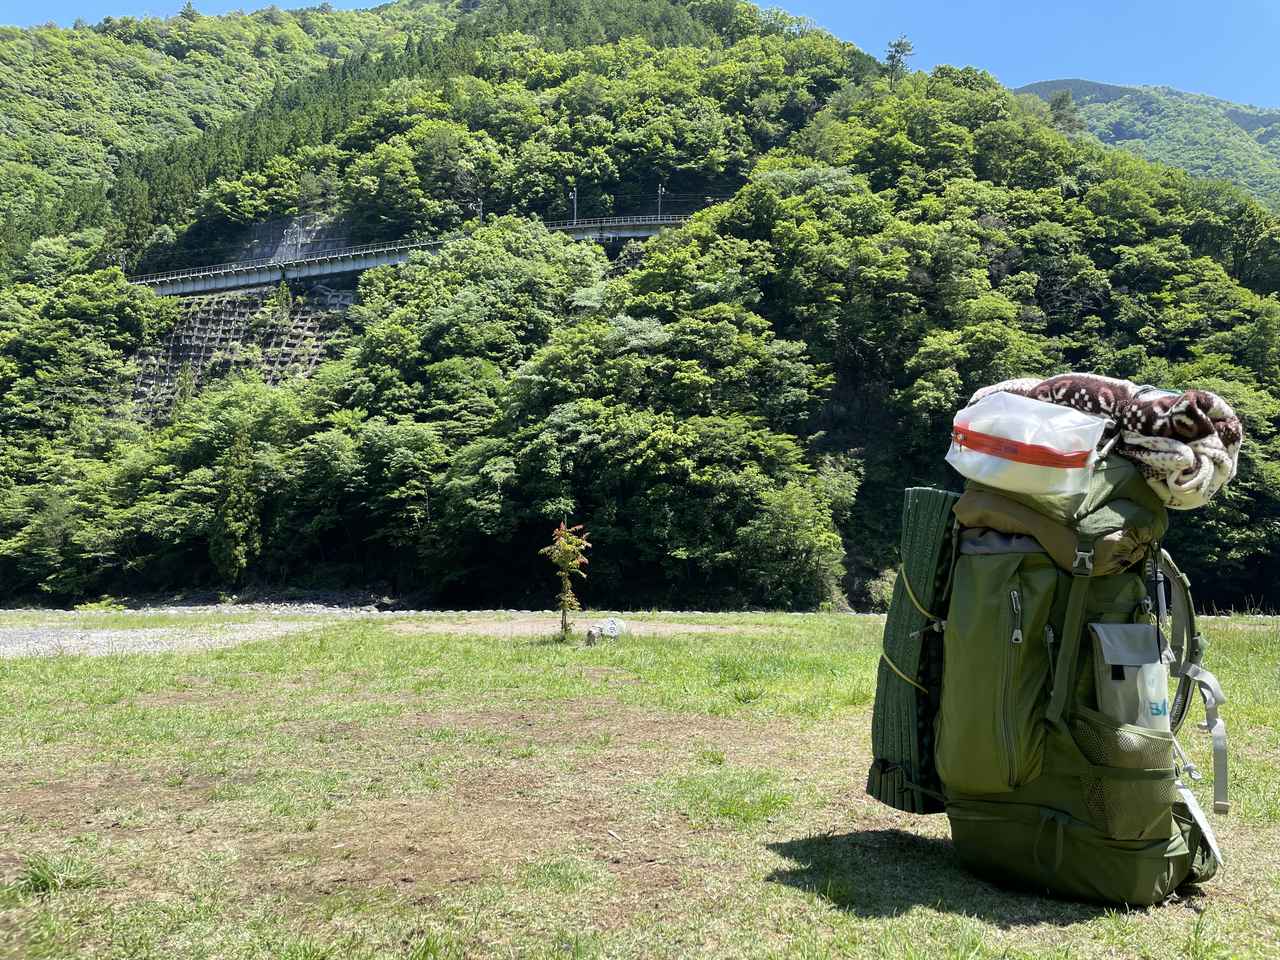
{"x":1195,"y":648}
{"x":1083,"y":565}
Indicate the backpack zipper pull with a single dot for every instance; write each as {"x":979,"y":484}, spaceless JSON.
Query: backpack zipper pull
{"x":1048,"y":642}
{"x":1016,"y":603}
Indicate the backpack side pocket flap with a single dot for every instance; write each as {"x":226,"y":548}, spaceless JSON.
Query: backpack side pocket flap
{"x":1127,"y":644}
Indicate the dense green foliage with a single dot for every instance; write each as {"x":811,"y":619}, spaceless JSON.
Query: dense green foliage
{"x":732,"y":408}
{"x":231,"y":173}
{"x":1201,"y":134}
{"x":77,"y":102}
{"x":523,"y":126}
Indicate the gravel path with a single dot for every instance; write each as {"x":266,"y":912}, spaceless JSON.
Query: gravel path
{"x":25,"y":633}
{"x":26,"y":641}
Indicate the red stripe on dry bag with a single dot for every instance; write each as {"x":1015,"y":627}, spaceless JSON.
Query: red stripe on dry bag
{"x":1006,"y":449}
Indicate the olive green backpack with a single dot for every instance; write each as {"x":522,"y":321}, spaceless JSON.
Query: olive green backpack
{"x":1017,"y":651}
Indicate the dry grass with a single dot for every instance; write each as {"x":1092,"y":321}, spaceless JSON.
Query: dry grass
{"x":368,"y":789}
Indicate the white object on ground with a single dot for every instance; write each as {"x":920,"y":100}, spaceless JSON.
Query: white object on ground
{"x":612,"y":628}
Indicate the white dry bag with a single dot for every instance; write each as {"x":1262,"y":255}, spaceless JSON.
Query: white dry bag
{"x":1025,"y":446}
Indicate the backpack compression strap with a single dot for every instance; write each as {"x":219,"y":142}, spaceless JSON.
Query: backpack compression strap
{"x":1072,"y":629}
{"x":1187,"y":646}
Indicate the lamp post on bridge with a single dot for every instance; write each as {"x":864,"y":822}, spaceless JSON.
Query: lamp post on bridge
{"x":661,"y":190}
{"x":573,"y":195}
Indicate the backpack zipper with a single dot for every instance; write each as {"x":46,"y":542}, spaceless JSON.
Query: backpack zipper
{"x":1015,"y":640}
{"x":1048,"y":643}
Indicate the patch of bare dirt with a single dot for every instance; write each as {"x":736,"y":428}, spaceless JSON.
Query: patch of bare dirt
{"x":481,"y":829}
{"x":610,"y":675}
{"x":103,"y":801}
{"x":205,"y":695}
{"x":623,"y":736}
{"x":10,"y":866}
{"x":576,"y":794}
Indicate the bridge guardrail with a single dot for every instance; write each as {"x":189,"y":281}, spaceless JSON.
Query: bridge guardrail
{"x":238,"y":266}
{"x":367,"y":249}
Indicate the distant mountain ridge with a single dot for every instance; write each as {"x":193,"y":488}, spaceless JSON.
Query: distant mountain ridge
{"x":1204,"y":135}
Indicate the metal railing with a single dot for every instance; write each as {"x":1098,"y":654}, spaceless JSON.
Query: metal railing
{"x":244,"y":266}
{"x":666,"y":218}
{"x":372,"y":249}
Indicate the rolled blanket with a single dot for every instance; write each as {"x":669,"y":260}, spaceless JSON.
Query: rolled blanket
{"x":1186,"y":444}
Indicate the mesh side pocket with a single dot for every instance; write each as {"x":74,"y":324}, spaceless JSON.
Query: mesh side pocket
{"x":1126,"y":809}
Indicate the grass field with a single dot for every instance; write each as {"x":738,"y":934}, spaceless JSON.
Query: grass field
{"x":427,"y":787}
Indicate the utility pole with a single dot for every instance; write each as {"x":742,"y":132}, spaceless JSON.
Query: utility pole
{"x":478,"y":206}
{"x":661,"y":191}
{"x":573,"y":195}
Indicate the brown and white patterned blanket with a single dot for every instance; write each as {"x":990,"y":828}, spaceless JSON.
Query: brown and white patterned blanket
{"x":1186,"y":444}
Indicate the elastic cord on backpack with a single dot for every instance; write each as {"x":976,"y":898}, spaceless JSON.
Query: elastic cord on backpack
{"x":936,"y":622}
{"x":906,"y":582}
{"x":894,"y":667}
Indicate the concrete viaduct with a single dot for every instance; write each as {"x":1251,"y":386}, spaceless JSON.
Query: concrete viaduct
{"x":256,"y":273}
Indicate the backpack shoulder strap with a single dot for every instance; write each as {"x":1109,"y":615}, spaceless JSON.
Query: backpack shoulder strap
{"x":1187,"y":646}
{"x":1184,"y":638}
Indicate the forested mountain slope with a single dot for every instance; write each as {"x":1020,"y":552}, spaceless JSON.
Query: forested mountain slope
{"x":152,"y":191}
{"x":523,"y":126}
{"x":1201,"y":134}
{"x":74,"y":100}
{"x":732,"y":408}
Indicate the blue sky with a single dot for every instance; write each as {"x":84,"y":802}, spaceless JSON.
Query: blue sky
{"x":1223,"y":47}
{"x":1227,"y":48}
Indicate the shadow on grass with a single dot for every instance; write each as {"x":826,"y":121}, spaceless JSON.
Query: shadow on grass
{"x":883,"y":873}
{"x":554,"y":640}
